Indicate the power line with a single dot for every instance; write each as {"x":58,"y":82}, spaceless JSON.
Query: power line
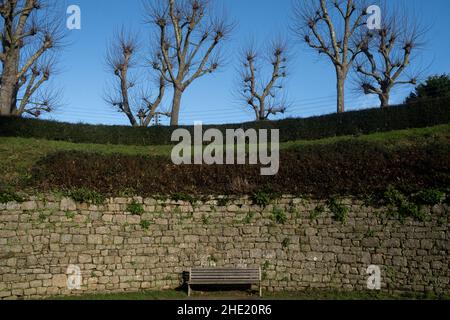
{"x":316,"y":106}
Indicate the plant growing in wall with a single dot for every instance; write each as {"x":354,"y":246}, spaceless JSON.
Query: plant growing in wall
{"x":263,"y":198}
{"x":205,"y":219}
{"x":135,"y":208}
{"x":84,"y":195}
{"x":249,"y":217}
{"x":7,"y":195}
{"x":145,"y":224}
{"x":42,"y":217}
{"x":340,"y":211}
{"x":70,"y":215}
{"x":404,"y":207}
{"x":286,"y":242}
{"x":317,"y":212}
{"x":223,"y":201}
{"x":293,"y":210}
{"x":279,"y":216}
{"x":430,"y":197}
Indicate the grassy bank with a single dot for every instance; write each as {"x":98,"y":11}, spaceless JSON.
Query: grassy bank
{"x":19,"y":155}
{"x":19,"y":158}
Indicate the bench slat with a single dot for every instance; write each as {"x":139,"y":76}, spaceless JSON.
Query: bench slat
{"x":229,"y":278}
{"x":223,"y":276}
{"x":224,"y":271}
{"x":223,"y":282}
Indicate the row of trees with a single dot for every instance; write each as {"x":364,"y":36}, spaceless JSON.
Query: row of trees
{"x":379,"y":57}
{"x":186,"y":45}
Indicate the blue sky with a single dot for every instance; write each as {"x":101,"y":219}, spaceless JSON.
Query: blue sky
{"x":310,"y":86}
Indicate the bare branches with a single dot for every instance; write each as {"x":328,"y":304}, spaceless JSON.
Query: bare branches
{"x":31,"y":32}
{"x":42,"y":101}
{"x":264,"y":98}
{"x":388,"y":55}
{"x":120,"y":59}
{"x":40,"y":73}
{"x":331,"y":27}
{"x":139,"y":107}
{"x":188,"y":39}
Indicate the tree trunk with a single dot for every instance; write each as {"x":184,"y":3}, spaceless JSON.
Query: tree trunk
{"x":340,"y":91}
{"x":262,"y":110}
{"x":9,"y":87}
{"x":384,"y":99}
{"x":130,"y":116}
{"x":176,"y":104}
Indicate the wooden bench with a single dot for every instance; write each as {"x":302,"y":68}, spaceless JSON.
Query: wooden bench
{"x":224,"y":276}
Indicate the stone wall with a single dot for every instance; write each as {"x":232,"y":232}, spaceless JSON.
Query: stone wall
{"x":118,"y":251}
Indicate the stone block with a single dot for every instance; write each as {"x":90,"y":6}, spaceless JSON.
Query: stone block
{"x":60,"y":281}
{"x":68,"y":204}
{"x":95,"y":239}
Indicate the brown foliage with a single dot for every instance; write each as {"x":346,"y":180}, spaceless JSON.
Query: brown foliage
{"x":340,"y":169}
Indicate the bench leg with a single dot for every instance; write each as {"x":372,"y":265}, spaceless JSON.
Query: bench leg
{"x":260,"y":291}
{"x":189,"y":290}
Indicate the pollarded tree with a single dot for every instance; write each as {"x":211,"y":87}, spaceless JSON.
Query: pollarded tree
{"x":387,"y":57}
{"x":30,"y":32}
{"x":264,"y":98}
{"x":124,"y":94}
{"x":188,"y":40}
{"x":333,"y":28}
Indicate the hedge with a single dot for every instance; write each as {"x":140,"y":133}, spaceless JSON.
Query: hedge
{"x":344,"y":168}
{"x":418,"y":115}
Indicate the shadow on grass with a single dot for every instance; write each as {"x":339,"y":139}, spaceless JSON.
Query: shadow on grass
{"x":231,"y":293}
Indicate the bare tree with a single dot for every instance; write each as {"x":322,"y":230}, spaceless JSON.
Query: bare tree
{"x":124,"y":94}
{"x":188,"y":39}
{"x":331,"y":27}
{"x":30,"y":34}
{"x":264,"y":98}
{"x":387,"y":57}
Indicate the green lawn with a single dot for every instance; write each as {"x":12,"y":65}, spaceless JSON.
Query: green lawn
{"x":17,"y":155}
{"x":305,"y":295}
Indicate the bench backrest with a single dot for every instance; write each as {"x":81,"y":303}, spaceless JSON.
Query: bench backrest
{"x":224,"y":276}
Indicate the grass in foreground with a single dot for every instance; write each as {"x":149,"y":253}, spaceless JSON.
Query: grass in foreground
{"x":304,"y":295}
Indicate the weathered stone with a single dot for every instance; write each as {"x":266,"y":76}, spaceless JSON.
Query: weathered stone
{"x":426,"y":244}
{"x":399,"y":261}
{"x":102,"y":230}
{"x":167,"y":240}
{"x":7,"y":233}
{"x":29,"y":205}
{"x":371,"y":242}
{"x":95,"y":239}
{"x":84,"y":258}
{"x":346,"y":258}
{"x":79,"y":239}
{"x":115,"y":253}
{"x":133,"y":219}
{"x":392,"y":243}
{"x":66,"y":238}
{"x":60,"y":281}
{"x":118,"y":240}
{"x":55,"y":237}
{"x":230,"y":232}
{"x":107,"y":217}
{"x":68,"y":204}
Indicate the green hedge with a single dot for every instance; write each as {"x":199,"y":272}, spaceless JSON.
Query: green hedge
{"x":421,"y":114}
